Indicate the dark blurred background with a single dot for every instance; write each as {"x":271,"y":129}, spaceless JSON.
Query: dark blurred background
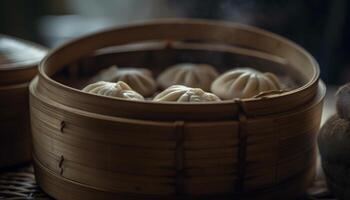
{"x":320,"y":26}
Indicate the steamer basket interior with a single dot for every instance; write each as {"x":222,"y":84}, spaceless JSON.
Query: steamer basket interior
{"x":153,"y":46}
{"x":157,"y":56}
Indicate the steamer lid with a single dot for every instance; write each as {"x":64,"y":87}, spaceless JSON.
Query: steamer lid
{"x":18,"y":60}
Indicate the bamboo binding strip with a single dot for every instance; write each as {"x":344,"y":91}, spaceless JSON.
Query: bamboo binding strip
{"x":93,"y":147}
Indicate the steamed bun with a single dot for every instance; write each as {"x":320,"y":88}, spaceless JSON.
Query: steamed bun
{"x":181,"y":93}
{"x":188,"y":74}
{"x":119,"y":89}
{"x":140,"y":79}
{"x":244,"y":83}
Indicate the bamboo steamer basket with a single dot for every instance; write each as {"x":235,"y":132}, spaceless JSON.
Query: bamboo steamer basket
{"x":18,"y":65}
{"x":93,"y":147}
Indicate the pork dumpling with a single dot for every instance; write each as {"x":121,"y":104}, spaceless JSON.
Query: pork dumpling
{"x":188,"y":74}
{"x":119,"y":89}
{"x":181,"y":93}
{"x":140,"y":79}
{"x":244,"y":83}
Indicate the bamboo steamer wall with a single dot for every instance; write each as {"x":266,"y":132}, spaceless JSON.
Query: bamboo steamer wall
{"x":92,"y":147}
{"x":18,"y":65}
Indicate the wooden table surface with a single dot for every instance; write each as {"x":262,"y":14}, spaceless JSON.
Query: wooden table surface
{"x":19,"y":183}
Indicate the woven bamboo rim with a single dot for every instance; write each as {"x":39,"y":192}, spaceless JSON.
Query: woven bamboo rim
{"x":219,"y":32}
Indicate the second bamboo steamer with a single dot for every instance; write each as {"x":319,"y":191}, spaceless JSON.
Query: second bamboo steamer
{"x":18,"y":65}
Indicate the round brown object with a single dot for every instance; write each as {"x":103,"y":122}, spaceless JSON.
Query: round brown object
{"x":343,"y":101}
{"x":139,"y":79}
{"x":333,"y":142}
{"x":334,"y":139}
{"x":188,"y":74}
